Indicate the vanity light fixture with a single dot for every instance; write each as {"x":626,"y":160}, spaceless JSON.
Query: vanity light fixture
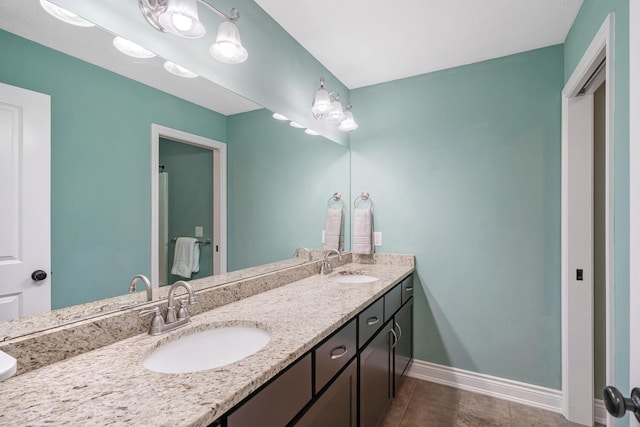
{"x":64,"y":15}
{"x":327,"y":106}
{"x":180,"y":17}
{"x":130,"y":48}
{"x":179,"y":70}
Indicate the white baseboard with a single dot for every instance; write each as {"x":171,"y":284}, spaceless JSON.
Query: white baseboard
{"x":514,"y":391}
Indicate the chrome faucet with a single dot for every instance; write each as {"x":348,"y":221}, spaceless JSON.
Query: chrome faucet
{"x":171,"y":320}
{"x":325,"y":265}
{"x":295,"y":254}
{"x":147,"y":284}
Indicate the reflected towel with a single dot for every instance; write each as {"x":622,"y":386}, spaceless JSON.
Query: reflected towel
{"x":186,"y":259}
{"x":362,"y":231}
{"x":333,"y":235}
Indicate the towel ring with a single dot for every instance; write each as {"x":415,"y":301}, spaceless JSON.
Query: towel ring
{"x":363,"y":196}
{"x":337,"y":197}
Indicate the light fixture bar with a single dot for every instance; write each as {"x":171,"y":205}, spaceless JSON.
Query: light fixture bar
{"x":233,"y":17}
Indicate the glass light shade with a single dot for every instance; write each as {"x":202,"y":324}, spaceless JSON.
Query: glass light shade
{"x":348,"y":124}
{"x":178,"y":70}
{"x":336,"y":113}
{"x":279,"y":116}
{"x":311,"y":132}
{"x":295,"y":125}
{"x":321,"y":102}
{"x":130,"y":48}
{"x":64,"y":15}
{"x":181,"y":19}
{"x":228,"y":46}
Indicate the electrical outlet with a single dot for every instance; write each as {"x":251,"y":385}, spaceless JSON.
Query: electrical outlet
{"x":377,"y":238}
{"x":199,"y":232}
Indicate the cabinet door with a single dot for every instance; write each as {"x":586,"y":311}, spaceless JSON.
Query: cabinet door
{"x":403,"y":351}
{"x":280,"y":401}
{"x":338,"y":404}
{"x":375,"y":378}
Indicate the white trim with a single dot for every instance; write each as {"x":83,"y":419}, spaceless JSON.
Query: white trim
{"x":634,"y":197}
{"x":220,"y":148}
{"x":602,"y":45}
{"x":500,"y":388}
{"x":599,"y":411}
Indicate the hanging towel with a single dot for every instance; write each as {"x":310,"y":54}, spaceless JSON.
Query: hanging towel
{"x":362,"y":231}
{"x":186,"y":259}
{"x":333,"y":235}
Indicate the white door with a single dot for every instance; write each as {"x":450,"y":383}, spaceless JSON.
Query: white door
{"x":25,"y":237}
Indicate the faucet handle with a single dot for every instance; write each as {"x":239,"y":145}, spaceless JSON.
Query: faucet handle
{"x":156,"y":321}
{"x":182,"y":311}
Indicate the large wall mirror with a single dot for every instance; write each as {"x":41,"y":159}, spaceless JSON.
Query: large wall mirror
{"x":103,"y":108}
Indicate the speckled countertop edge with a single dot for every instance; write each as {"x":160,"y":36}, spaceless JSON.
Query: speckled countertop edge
{"x":109,"y":386}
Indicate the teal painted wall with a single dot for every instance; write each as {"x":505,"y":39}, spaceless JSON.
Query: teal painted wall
{"x":279,"y":182}
{"x":464,"y":168}
{"x":591,"y":16}
{"x":100,"y":168}
{"x":190,"y":170}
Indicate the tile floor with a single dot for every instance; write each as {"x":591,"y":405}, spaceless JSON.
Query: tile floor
{"x":426,"y":404}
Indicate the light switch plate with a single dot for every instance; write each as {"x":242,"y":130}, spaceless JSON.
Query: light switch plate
{"x":377,"y":238}
{"x":322,"y":236}
{"x":199,"y":231}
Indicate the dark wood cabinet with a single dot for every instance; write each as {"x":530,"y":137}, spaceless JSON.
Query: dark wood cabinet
{"x":338,"y":405}
{"x":403,"y":350}
{"x":370,"y":355}
{"x":375,"y":378}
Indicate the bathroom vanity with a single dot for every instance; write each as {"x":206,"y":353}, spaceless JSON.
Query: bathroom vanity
{"x":327,"y":339}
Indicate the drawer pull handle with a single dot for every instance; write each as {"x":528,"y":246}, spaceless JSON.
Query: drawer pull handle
{"x":409,"y":289}
{"x":343,"y":350}
{"x":372,"y":320}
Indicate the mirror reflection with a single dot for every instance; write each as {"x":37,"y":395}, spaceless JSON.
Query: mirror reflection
{"x":276,"y":179}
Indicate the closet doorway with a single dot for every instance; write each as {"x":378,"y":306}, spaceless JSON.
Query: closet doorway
{"x":188,"y":180}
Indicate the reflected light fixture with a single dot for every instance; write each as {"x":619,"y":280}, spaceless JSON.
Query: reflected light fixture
{"x":180,"y":17}
{"x":311,"y":132}
{"x":179,"y":70}
{"x":326,"y":106}
{"x":64,"y":15}
{"x":278,"y":116}
{"x":295,"y":125}
{"x":130,"y":48}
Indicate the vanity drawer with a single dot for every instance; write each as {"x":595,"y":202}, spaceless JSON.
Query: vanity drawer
{"x":280,"y":401}
{"x":392,"y":301}
{"x":407,"y":288}
{"x":370,"y":320}
{"x":335,"y":353}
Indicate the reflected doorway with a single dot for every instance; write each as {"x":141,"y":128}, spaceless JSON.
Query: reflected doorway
{"x":188,"y":200}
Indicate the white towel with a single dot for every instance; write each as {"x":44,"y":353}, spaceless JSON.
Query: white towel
{"x":186,"y":259}
{"x":362,"y":231}
{"x":333,"y":235}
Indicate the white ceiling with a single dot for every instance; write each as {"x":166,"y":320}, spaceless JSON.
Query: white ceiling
{"x":94,"y":45}
{"x":364,"y":42}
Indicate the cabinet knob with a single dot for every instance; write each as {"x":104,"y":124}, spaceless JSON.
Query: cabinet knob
{"x":617,"y":405}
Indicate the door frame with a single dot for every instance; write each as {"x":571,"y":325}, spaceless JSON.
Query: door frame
{"x":600,"y":47}
{"x":634,"y":198}
{"x":219,"y":200}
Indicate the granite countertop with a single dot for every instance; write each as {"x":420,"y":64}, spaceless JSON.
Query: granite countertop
{"x":109,"y":386}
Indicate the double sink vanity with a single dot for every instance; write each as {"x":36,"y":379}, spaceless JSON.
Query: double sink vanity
{"x":302,"y":349}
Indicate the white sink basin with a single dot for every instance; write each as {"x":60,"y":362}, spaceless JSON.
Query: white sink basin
{"x":207,"y":349}
{"x":354,"y":278}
